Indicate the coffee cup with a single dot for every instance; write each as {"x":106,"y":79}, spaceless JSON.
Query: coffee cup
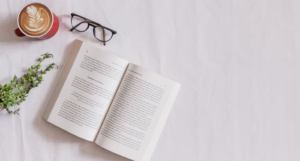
{"x":36,"y":20}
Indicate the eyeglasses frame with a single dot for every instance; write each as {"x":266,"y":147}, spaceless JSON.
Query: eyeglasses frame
{"x":93,"y":24}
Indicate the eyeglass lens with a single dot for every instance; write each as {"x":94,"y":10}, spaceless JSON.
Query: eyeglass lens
{"x":83,"y":25}
{"x":99,"y":31}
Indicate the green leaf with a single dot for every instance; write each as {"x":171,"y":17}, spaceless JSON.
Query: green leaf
{"x":10,"y":96}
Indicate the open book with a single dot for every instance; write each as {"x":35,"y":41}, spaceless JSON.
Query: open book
{"x":118,"y":105}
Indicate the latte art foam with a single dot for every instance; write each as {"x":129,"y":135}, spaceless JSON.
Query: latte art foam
{"x":35,"y":19}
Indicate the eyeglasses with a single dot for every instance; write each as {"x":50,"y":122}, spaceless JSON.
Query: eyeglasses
{"x":81,"y":24}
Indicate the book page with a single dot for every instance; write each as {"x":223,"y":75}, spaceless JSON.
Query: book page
{"x":137,"y":114}
{"x":85,"y":90}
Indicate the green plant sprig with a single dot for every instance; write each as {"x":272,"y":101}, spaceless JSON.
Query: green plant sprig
{"x":17,"y":90}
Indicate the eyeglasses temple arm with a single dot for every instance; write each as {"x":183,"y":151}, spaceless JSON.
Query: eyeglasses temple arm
{"x":103,"y":36}
{"x":113,"y":31}
{"x":76,"y":26}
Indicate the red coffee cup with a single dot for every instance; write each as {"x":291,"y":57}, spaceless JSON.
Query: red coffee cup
{"x":48,"y":34}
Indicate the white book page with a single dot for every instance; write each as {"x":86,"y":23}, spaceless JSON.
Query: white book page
{"x":142,"y":101}
{"x":87,"y":92}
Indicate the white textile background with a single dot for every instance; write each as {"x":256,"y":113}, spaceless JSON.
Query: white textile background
{"x":237,"y":60}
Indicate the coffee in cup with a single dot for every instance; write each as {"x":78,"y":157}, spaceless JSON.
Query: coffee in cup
{"x":36,"y":20}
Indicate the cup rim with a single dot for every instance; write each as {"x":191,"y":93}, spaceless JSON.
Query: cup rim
{"x":52,"y":18}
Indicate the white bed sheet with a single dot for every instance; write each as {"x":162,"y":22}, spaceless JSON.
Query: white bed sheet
{"x":238,"y":62}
